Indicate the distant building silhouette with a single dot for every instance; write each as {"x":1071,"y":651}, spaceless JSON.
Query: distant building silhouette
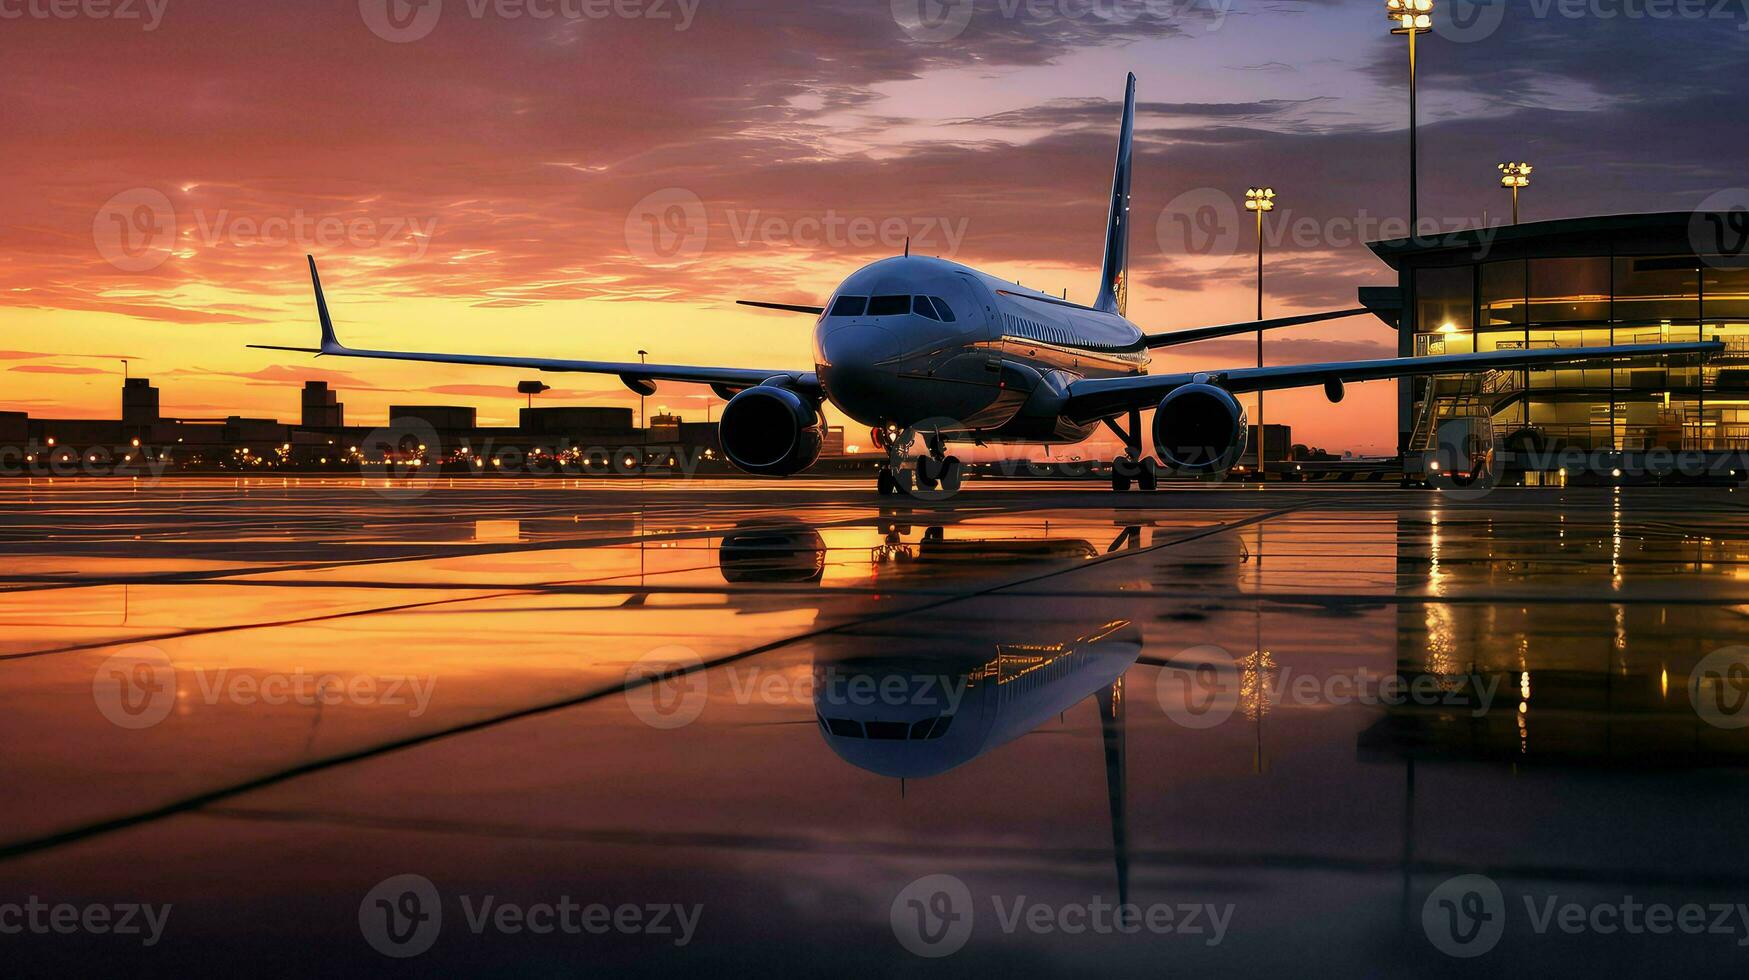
{"x":139,"y":403}
{"x":441,"y":417}
{"x":322,"y":409}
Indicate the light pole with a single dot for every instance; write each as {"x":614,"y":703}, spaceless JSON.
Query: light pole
{"x":1412,"y":17}
{"x":1515,"y":176}
{"x":1260,"y":201}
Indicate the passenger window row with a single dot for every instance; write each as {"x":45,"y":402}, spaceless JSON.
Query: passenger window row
{"x":891,"y":731}
{"x":933,"y":307}
{"x":1020,"y":326}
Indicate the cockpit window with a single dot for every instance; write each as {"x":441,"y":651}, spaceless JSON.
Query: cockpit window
{"x":849,"y":306}
{"x":889,"y":306}
{"x":945,"y":310}
{"x":887,"y":730}
{"x":927,"y":728}
{"x":922,"y":306}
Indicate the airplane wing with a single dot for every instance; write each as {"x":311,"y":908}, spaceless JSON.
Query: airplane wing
{"x":1175,"y":337}
{"x":785,"y":307}
{"x":636,"y":376}
{"x":1096,"y":398}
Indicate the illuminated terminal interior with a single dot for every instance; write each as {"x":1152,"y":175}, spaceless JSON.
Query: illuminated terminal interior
{"x":1590,"y":282}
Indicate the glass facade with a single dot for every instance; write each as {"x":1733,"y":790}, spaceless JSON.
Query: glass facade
{"x":1566,"y":301}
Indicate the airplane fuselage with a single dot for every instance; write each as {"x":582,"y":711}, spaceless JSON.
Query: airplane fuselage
{"x":934,"y":344}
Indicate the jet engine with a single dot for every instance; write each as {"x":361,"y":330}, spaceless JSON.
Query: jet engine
{"x":769,"y":430}
{"x":1200,"y":428}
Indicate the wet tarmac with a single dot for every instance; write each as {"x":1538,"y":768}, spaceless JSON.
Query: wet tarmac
{"x":330,"y":728}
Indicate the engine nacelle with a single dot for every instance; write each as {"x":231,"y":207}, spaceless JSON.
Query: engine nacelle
{"x":1200,"y":428}
{"x":771,"y":431}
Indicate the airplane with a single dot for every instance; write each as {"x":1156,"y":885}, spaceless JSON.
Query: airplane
{"x":914,"y":346}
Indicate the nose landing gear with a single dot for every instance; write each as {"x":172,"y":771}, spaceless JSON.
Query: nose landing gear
{"x":907,"y":475}
{"x":1132,"y":468}
{"x":938,"y":470}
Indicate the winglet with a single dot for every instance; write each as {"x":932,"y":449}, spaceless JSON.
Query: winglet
{"x":330,"y":343}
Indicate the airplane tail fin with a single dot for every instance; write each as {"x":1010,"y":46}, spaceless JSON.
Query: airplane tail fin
{"x":1114,"y":286}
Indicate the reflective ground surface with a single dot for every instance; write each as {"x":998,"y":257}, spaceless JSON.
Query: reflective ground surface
{"x":653,"y":729}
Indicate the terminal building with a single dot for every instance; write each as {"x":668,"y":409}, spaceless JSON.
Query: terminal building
{"x":1621,"y":279}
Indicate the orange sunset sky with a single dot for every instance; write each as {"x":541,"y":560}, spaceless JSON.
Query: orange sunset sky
{"x":483,"y":176}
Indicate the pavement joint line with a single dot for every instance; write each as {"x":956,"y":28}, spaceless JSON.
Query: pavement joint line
{"x":44,"y":583}
{"x":203,"y":799}
{"x":1052,"y":857}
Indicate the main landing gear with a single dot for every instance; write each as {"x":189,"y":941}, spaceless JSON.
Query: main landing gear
{"x":1132,"y":468}
{"x":936,"y":471}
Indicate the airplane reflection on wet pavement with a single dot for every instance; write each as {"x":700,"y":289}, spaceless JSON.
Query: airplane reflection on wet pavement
{"x":1318,"y":732}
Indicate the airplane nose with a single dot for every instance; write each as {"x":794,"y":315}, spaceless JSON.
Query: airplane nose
{"x":854,"y":347}
{"x":849,"y":362}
